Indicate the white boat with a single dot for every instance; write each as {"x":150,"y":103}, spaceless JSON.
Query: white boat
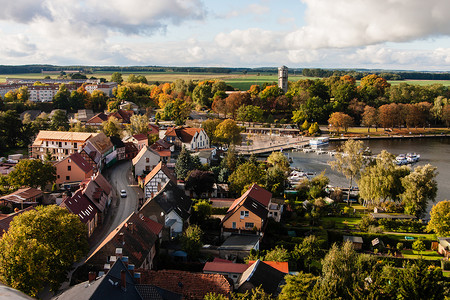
{"x":321,"y":141}
{"x":412,"y":157}
{"x":401,"y":160}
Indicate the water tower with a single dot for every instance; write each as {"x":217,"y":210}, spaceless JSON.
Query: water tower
{"x":283,"y":78}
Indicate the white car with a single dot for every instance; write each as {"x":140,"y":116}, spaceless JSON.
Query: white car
{"x":123,"y":194}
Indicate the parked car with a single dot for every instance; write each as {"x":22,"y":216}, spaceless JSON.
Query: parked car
{"x":123,"y":194}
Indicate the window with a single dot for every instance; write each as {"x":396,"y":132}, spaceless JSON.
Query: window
{"x":147,"y":160}
{"x":75,"y":145}
{"x":244,"y":213}
{"x":69,"y":168}
{"x":147,"y":168}
{"x":234,"y":225}
{"x":67,"y":177}
{"x":249,"y":225}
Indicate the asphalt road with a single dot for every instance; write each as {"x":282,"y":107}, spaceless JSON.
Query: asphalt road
{"x":119,"y":176}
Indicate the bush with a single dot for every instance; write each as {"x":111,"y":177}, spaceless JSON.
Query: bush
{"x":402,"y":225}
{"x":445,"y":265}
{"x":419,"y":246}
{"x":400,"y":246}
{"x":366,"y":222}
{"x":374,"y":229}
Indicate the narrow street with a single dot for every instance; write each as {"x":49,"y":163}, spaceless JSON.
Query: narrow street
{"x":120,"y":177}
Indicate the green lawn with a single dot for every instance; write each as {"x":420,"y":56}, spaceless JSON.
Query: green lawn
{"x":428,"y":255}
{"x":343,"y":222}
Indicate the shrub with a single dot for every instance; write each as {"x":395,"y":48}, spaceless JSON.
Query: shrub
{"x":419,"y":246}
{"x":366,"y":222}
{"x":400,"y":246}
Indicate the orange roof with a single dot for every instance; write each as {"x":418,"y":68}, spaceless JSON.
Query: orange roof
{"x":185,"y":134}
{"x":282,"y":266}
{"x":225,"y":267}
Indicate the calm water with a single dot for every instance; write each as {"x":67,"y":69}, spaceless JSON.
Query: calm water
{"x":433,"y":151}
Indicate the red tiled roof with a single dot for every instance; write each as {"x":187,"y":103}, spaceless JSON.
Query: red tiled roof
{"x":97,"y":119}
{"x":153,"y":129}
{"x":140,"y":137}
{"x":218,"y":259}
{"x":190,"y":285}
{"x":225,"y":267}
{"x":185,"y":134}
{"x":256,"y":192}
{"x":80,"y":205}
{"x":78,"y":159}
{"x":23,"y":195}
{"x":155,"y":227}
{"x":156,"y":169}
{"x":103,"y":183}
{"x":282,"y":266}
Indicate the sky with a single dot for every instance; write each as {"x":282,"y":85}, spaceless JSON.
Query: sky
{"x":373,"y":34}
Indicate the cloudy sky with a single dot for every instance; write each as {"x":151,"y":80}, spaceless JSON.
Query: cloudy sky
{"x":387,"y":34}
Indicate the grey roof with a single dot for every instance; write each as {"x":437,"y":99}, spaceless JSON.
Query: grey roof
{"x":353,"y":239}
{"x":244,"y":242}
{"x":105,"y":287}
{"x":171,"y":197}
{"x":445,"y":242}
{"x":261,"y":274}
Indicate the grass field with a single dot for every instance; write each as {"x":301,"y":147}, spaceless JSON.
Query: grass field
{"x":427,"y":255}
{"x":237,"y":80}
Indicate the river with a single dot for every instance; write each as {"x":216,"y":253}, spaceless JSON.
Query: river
{"x":434,"y":151}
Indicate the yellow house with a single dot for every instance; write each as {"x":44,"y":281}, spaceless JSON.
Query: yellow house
{"x":249,"y":212}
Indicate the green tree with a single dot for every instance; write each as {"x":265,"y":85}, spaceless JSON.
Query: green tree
{"x":97,"y":101}
{"x":116,"y":77}
{"x":202,"y":95}
{"x":249,"y":113}
{"x":203,"y":210}
{"x":381,"y":180}
{"x":10,"y":129}
{"x":278,"y":159}
{"x":245,"y":175}
{"x":420,"y":187}
{"x":33,"y":173}
{"x":23,"y":94}
{"x":440,"y":218}
{"x":274,"y":180}
{"x":111,"y":127}
{"x":255,"y":294}
{"x":419,"y":245}
{"x":350,"y":161}
{"x":40,"y":248}
{"x":200,"y":182}
{"x":125,"y":93}
{"x":59,"y":121}
{"x":314,"y":128}
{"x":185,"y":163}
{"x":192,"y":240}
{"x":277,"y":254}
{"x":228,"y":132}
{"x":309,"y":250}
{"x":417,"y":281}
{"x":177,"y":111}
{"x":298,"y":117}
{"x":298,"y":286}
{"x":214,"y":296}
{"x":210,"y":126}
{"x":61,"y":99}
{"x":138,"y":124}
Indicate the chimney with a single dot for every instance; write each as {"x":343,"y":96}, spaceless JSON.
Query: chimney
{"x":120,"y":238}
{"x":137,"y":277}
{"x":123,"y":279}
{"x":92,"y":276}
{"x":131,"y":269}
{"x":119,"y":252}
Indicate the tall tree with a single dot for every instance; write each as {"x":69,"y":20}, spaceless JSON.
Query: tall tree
{"x":185,"y":163}
{"x":350,"y":161}
{"x":381,"y":180}
{"x":97,"y":101}
{"x":40,"y":248}
{"x":420,"y":187}
{"x":250,"y":113}
{"x":228,"y":132}
{"x":61,"y":99}
{"x":340,"y":120}
{"x":117,"y":77}
{"x":138,"y":124}
{"x":370,"y":117}
{"x":112,"y":127}
{"x":440,"y":218}
{"x":245,"y":175}
{"x":32,"y":172}
{"x":210,"y":126}
{"x":280,"y":160}
{"x":200,"y":182}
{"x":192,"y":240}
{"x":298,"y":286}
{"x":59,"y":121}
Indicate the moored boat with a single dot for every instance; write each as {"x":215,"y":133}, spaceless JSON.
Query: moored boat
{"x":320,"y":141}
